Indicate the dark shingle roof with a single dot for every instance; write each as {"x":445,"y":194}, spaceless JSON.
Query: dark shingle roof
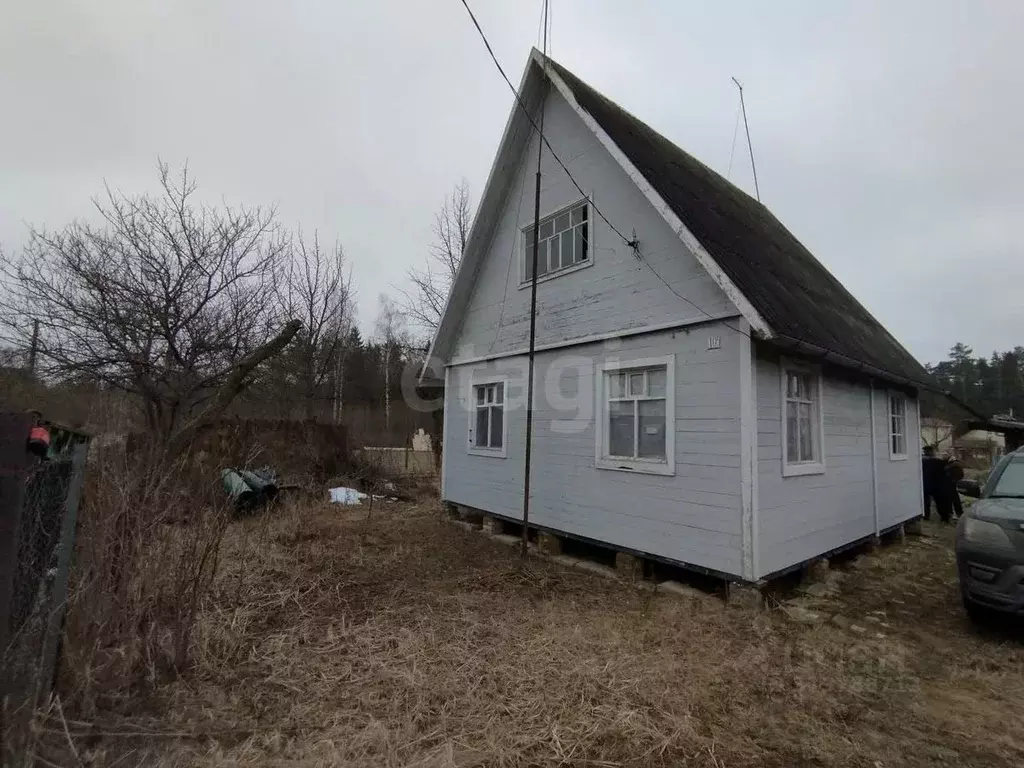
{"x":795,"y":294}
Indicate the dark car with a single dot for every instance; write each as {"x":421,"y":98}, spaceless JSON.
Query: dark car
{"x":990,"y":542}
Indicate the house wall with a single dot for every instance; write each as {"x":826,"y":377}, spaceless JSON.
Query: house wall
{"x":616,"y":292}
{"x":801,"y":517}
{"x":900,"y":490}
{"x":693,"y":517}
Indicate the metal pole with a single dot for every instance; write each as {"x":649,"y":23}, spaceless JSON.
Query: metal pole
{"x":750,"y":147}
{"x":533,"y":331}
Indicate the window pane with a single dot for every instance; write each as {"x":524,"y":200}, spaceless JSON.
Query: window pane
{"x":1011,"y":482}
{"x":562,"y":223}
{"x":481,"y":428}
{"x":553,"y":258}
{"x":547,"y":229}
{"x":895,"y":440}
{"x":566,"y":248}
{"x":497,"y":420}
{"x":584,"y":212}
{"x":656,"y":380}
{"x":577,"y":214}
{"x":616,"y":384}
{"x":499,"y":393}
{"x":792,"y":454}
{"x":529,"y":260}
{"x":480,"y":395}
{"x":636,"y":383}
{"x":652,"y":429}
{"x":584,"y":250}
{"x":620,"y":429}
{"x":542,"y":258}
{"x":791,"y":385}
{"x":806,"y":433}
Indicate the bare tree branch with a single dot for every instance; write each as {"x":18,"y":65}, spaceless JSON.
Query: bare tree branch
{"x":424,"y":301}
{"x":161,"y":299}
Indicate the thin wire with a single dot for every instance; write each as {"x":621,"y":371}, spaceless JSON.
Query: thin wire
{"x":540,"y":25}
{"x":699,"y":308}
{"x":522,"y":106}
{"x":632,"y":243}
{"x":735,"y":133}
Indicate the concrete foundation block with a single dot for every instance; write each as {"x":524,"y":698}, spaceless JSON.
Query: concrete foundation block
{"x":509,"y":541}
{"x":549,"y":544}
{"x":745,"y":595}
{"x":914,"y":528}
{"x":493,"y":525}
{"x":817,"y":570}
{"x":629,"y":566}
{"x":682,"y":590}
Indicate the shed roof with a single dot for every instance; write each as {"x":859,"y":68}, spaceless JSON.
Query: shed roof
{"x":796,"y":295}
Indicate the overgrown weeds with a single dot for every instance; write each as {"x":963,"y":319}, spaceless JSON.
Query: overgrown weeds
{"x":327,"y":638}
{"x":148,"y":548}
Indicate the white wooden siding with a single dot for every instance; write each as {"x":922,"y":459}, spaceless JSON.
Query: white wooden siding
{"x":693,"y":516}
{"x":617,"y":292}
{"x":900,"y":496}
{"x":804,"y":516}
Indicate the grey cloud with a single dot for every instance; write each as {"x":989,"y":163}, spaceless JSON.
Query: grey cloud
{"x":886,"y":134}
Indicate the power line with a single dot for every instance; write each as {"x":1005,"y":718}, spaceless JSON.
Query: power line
{"x":519,"y":101}
{"x":633,"y":243}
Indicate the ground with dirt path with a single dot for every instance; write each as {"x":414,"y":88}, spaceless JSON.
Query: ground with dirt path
{"x":398,"y":639}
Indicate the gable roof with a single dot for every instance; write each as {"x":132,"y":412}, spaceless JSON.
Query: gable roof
{"x":778,"y":285}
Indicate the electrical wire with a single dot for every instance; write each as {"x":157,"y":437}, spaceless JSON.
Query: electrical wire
{"x":633,"y":243}
{"x":522,"y":106}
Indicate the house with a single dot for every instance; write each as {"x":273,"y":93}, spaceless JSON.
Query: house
{"x":712,"y":397}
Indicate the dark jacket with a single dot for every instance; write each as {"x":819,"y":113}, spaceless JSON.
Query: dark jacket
{"x":933,"y":470}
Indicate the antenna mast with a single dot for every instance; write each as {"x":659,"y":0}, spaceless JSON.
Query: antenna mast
{"x":750,"y":147}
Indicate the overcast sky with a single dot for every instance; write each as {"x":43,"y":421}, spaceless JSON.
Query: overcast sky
{"x":889,"y":136}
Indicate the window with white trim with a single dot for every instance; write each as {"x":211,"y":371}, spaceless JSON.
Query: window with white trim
{"x":802,"y":424}
{"x":563,"y":242}
{"x":488,"y":431}
{"x":897,"y":426}
{"x":636,"y":419}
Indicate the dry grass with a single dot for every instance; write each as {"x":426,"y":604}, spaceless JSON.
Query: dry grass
{"x":399,"y":640}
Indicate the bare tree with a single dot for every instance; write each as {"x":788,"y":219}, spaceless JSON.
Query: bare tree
{"x":392,"y":335}
{"x":424,"y":301}
{"x":315,"y":287}
{"x":166,"y":299}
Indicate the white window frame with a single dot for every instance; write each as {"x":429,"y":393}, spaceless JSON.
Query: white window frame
{"x":527,"y":241}
{"x":894,"y":395}
{"x":796,"y":468}
{"x":602,"y":460}
{"x":495,"y":453}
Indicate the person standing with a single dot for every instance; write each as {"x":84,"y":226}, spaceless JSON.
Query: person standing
{"x":933,"y":470}
{"x":953,"y":475}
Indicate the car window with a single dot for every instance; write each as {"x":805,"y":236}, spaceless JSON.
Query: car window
{"x":1011,"y":481}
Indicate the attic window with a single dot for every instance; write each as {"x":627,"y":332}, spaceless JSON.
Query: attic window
{"x":563,"y":242}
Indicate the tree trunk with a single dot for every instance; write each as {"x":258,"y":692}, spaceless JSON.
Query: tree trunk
{"x":232,"y":387}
